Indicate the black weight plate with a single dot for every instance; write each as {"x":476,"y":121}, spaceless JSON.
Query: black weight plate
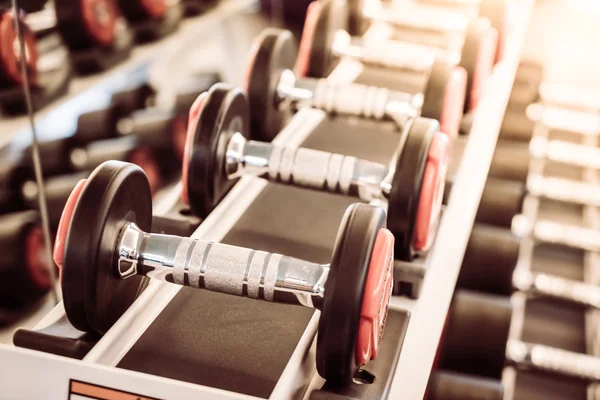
{"x":94,"y":296}
{"x":476,"y":334}
{"x":84,"y":24}
{"x":344,"y":290}
{"x":406,"y":185}
{"x":332,"y":16}
{"x":447,"y":385}
{"x":275,"y":51}
{"x":224,"y":112}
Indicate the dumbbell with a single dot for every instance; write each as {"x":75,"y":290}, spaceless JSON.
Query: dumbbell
{"x":10,"y":52}
{"x":95,"y":31}
{"x":557,"y":233}
{"x":24,"y":274}
{"x":105,"y":254}
{"x":490,"y":265}
{"x":273,"y":89}
{"x":129,"y":149}
{"x":325,"y":41}
{"x":498,"y":12}
{"x":449,"y":385}
{"x":477,"y":342}
{"x":218,"y":152}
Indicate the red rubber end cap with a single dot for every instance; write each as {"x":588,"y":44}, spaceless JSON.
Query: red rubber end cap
{"x":65,"y":222}
{"x":100,"y":20}
{"x":35,"y":258}
{"x":308,"y":37}
{"x":155,"y":8}
{"x":454,"y":102}
{"x":432,"y":192}
{"x":376,"y":300}
{"x":189,"y":144}
{"x":484,"y":65}
{"x":10,"y":50}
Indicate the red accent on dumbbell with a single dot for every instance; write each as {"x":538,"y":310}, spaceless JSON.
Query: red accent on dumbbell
{"x":189,"y":143}
{"x":378,"y":289}
{"x":10,"y":50}
{"x":65,"y":221}
{"x":308,"y":36}
{"x":452,"y":112}
{"x":155,"y":8}
{"x":484,"y":65}
{"x":100,"y":20}
{"x":35,"y":258}
{"x":432,"y":190}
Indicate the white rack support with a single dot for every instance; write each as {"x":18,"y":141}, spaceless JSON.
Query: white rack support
{"x":38,"y":375}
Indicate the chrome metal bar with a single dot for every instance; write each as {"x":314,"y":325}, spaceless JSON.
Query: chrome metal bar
{"x":555,"y":361}
{"x":565,"y":190}
{"x":310,"y":168}
{"x":557,"y":233}
{"x":220,"y":267}
{"x":564,"y":152}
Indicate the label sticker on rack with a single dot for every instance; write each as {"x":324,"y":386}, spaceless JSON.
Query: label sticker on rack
{"x":88,"y":391}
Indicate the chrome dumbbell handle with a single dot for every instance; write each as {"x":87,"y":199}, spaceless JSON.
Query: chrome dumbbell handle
{"x":220,"y":268}
{"x":419,"y":17}
{"x":557,"y":233}
{"x":565,"y":152}
{"x":388,"y":53}
{"x":348,"y":98}
{"x":560,"y":118}
{"x":554,"y":361}
{"x":315,"y":169}
{"x":565,"y":190}
{"x":558,"y":288}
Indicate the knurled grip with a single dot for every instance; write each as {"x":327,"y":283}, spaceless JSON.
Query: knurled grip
{"x":351,"y":99}
{"x":399,"y":55}
{"x":555,"y":361}
{"x":312,"y":168}
{"x":568,"y":290}
{"x":226,"y":269}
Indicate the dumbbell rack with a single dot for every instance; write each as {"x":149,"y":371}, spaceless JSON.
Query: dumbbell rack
{"x":427,"y":313}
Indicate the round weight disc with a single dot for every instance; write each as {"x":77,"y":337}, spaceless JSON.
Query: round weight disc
{"x":223,"y":112}
{"x":87,"y":23}
{"x":274,"y":51}
{"x":144,"y":158}
{"x":478,"y":57}
{"x":407,"y":185}
{"x":344,"y":292}
{"x":140,"y":10}
{"x":323,"y":20}
{"x":10,"y":50}
{"x":444,"y":97}
{"x":94,"y":296}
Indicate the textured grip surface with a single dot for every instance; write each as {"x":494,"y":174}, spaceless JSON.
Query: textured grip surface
{"x":312,"y":168}
{"x":352,"y":99}
{"x":399,"y":55}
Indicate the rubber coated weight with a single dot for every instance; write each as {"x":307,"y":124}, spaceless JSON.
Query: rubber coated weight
{"x":84,"y":24}
{"x":323,"y":20}
{"x":500,"y":202}
{"x":446,"y":385}
{"x":490,"y":259}
{"x":10,"y":51}
{"x":274,"y":51}
{"x":224,"y":111}
{"x":478,"y":56}
{"x":444,"y":96}
{"x":357,"y":25}
{"x":24,"y":274}
{"x":407,"y":184}
{"x":499,"y":14}
{"x":344,"y":292}
{"x":94,"y":296}
{"x":476,"y":334}
{"x":141,"y":10}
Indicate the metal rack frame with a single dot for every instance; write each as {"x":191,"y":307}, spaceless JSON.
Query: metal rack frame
{"x":428,"y":312}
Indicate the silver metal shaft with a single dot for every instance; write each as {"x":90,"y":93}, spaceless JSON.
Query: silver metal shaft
{"x":220,"y":267}
{"x":314,"y":169}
